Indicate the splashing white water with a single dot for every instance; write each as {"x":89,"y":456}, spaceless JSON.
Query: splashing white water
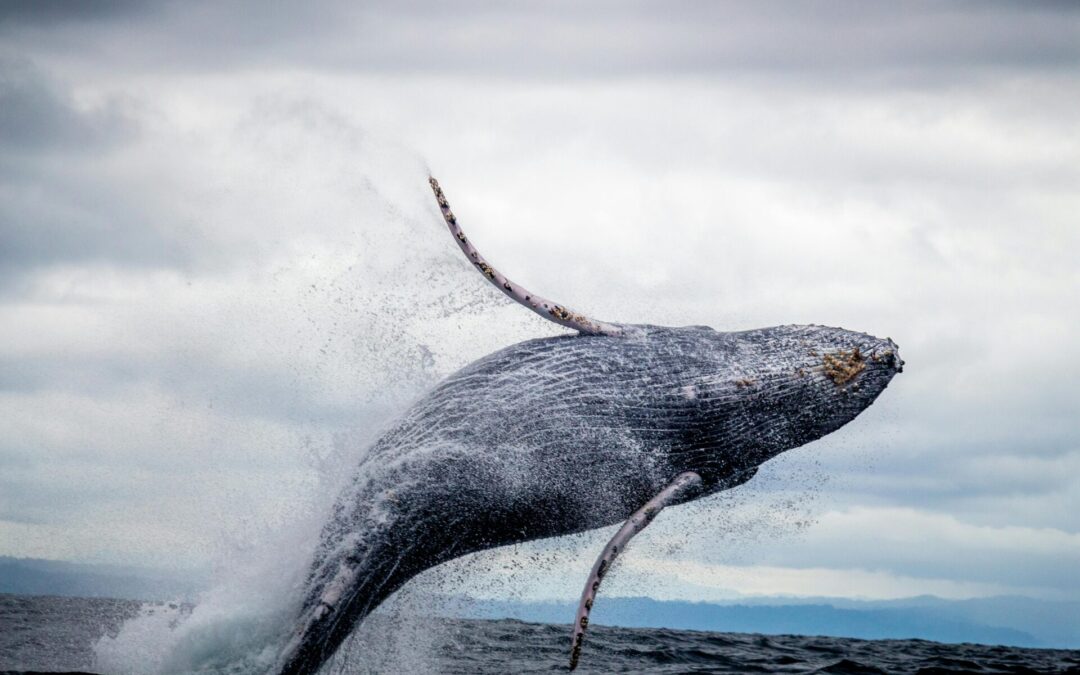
{"x":359,"y":296}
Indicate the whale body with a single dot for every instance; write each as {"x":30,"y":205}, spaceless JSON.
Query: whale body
{"x":559,"y":435}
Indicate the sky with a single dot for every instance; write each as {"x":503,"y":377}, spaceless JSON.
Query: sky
{"x":222,"y":271}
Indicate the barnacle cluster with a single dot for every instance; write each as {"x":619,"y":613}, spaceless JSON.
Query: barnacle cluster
{"x":843,"y":366}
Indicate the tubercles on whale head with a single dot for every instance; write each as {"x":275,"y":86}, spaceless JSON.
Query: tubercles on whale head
{"x":755,"y":394}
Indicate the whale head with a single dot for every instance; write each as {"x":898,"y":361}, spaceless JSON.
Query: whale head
{"x":751,"y":395}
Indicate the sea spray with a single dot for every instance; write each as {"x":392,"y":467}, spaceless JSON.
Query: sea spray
{"x":350,"y":308}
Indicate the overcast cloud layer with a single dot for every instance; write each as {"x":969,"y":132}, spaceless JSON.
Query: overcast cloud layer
{"x":221,"y":269}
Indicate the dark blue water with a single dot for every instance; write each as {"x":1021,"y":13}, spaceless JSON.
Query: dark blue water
{"x":56,"y":634}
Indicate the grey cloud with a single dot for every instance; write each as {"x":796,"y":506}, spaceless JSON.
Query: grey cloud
{"x":36,"y":114}
{"x":40,"y":497}
{"x":920,"y":557}
{"x":980,"y":485}
{"x":61,"y":215}
{"x":841,"y":41}
{"x":56,"y":204}
{"x":51,"y":12}
{"x":257,"y":393}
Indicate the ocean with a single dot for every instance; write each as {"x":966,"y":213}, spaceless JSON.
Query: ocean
{"x":58,"y":634}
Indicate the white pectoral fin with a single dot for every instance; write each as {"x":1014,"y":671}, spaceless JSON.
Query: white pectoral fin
{"x":552,"y":311}
{"x":672,"y":494}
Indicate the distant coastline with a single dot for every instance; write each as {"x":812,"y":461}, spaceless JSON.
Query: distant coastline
{"x":35,"y":576}
{"x":1014,"y":621}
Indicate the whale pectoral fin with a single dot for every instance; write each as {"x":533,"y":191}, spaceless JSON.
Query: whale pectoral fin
{"x":552,"y":311}
{"x":672,"y":494}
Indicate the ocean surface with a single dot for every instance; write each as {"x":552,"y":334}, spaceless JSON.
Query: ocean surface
{"x":42,"y":633}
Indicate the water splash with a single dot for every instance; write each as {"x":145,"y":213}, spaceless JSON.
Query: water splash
{"x":354,"y":306}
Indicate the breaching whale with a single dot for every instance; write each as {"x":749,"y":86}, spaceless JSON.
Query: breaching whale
{"x":560,"y":435}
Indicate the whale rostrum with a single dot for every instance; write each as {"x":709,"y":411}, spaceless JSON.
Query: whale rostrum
{"x":565,"y":434}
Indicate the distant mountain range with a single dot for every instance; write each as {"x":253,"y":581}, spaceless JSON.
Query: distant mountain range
{"x":33,"y":576}
{"x":1017,"y":621}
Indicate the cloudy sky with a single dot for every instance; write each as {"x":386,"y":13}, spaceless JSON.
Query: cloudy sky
{"x":221,"y":270}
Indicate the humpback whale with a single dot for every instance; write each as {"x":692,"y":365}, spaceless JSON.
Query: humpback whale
{"x":564,"y":434}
